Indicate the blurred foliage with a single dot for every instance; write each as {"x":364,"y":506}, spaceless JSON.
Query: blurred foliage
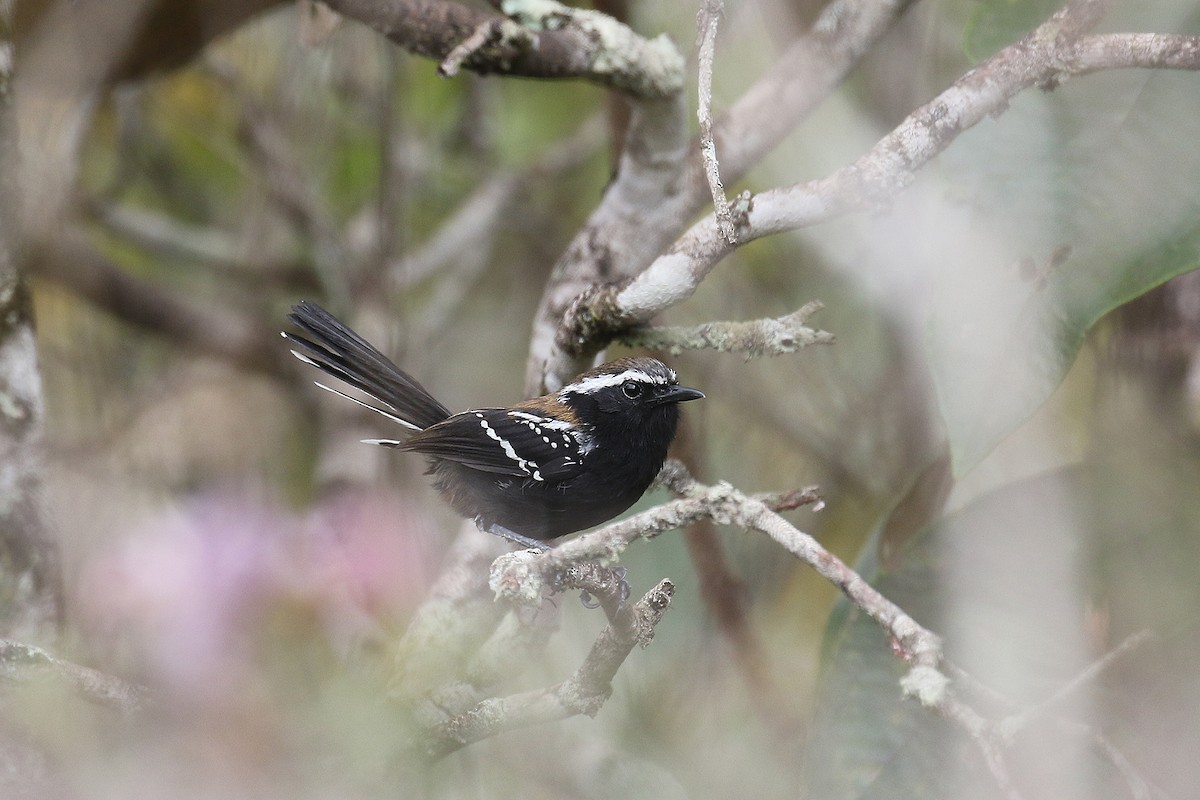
{"x":997,"y":23}
{"x":230,"y":543}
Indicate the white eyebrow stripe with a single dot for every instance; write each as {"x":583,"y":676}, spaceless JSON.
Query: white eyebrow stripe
{"x":602,"y":381}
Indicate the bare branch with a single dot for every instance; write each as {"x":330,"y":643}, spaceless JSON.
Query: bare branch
{"x":604,"y":248}
{"x":1132,"y":51}
{"x":763,"y":337}
{"x":583,"y":693}
{"x":992,"y":737}
{"x":726,"y":506}
{"x":30,"y":565}
{"x":982,"y":733}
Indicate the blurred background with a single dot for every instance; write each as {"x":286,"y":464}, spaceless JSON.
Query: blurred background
{"x":1004,"y":434}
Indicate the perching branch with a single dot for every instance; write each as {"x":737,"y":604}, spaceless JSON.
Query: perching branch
{"x":513,"y":578}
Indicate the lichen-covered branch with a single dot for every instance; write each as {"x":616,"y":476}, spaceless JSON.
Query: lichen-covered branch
{"x":513,"y":577}
{"x":29,"y":560}
{"x":585,"y":692}
{"x":762,"y":337}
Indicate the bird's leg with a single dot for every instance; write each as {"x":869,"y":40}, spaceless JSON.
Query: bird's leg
{"x":513,"y":536}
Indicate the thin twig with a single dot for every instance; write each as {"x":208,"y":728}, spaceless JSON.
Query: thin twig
{"x":982,"y":734}
{"x":708,"y":20}
{"x":479,"y":37}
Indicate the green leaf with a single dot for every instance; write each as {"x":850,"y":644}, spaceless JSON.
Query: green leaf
{"x":1069,"y":207}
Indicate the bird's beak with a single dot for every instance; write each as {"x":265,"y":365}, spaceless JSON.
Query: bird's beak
{"x":677,"y":394}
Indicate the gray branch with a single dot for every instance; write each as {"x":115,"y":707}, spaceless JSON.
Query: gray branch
{"x":762,"y":337}
{"x":709,"y":21}
{"x":724,"y":505}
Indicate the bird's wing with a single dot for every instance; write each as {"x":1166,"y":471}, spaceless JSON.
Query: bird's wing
{"x":505,"y":442}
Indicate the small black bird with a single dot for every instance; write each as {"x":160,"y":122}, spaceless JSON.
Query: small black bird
{"x":534,"y":471}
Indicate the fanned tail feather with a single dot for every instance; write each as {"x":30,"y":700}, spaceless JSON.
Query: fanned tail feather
{"x":338,"y":351}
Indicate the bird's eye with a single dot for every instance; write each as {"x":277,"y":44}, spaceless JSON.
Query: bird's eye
{"x":632,"y":389}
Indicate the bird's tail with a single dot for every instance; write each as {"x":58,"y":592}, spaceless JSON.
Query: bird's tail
{"x":338,"y":351}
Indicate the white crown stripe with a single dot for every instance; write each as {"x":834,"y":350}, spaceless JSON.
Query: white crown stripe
{"x":603,"y":381}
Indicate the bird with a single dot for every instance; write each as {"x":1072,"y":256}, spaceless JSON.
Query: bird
{"x":530,"y":472}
